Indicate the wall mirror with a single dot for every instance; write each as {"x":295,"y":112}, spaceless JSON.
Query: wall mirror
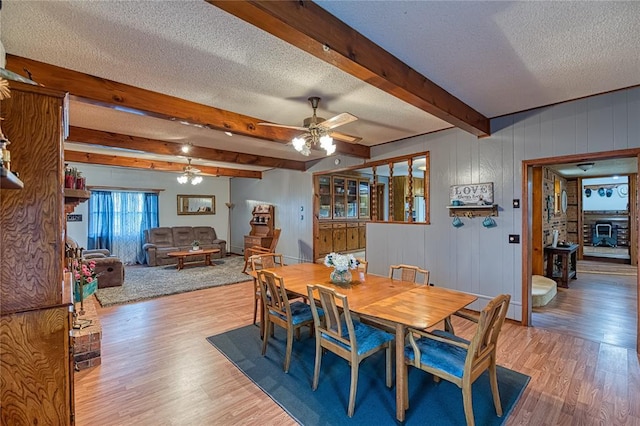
{"x":196,"y":204}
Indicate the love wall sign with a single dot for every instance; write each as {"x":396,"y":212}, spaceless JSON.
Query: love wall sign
{"x":472,"y":193}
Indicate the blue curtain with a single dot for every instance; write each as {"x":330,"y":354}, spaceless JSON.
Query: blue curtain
{"x":149,"y":220}
{"x":117,"y":221}
{"x":100,"y":221}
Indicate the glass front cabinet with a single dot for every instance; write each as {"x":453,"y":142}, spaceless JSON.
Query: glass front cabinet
{"x":343,"y":206}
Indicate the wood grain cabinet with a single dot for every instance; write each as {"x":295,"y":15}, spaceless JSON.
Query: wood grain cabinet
{"x":35,"y":308}
{"x":262,"y":225}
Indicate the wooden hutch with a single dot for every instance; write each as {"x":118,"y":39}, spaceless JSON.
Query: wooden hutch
{"x":262,"y":224}
{"x":36,"y":363}
{"x":342,"y":207}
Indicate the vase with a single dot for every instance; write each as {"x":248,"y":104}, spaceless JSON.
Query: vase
{"x":340,"y":277}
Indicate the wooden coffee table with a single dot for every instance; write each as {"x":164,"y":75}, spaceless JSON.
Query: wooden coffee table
{"x":188,"y":253}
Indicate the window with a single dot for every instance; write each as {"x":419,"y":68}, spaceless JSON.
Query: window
{"x":117,"y":221}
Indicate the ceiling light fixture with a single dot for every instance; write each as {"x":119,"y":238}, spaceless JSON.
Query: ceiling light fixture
{"x":228,"y":133}
{"x":190,"y":175}
{"x":186,"y":148}
{"x":585,"y":166}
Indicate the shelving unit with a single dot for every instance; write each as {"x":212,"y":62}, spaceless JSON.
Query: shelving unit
{"x":473,"y":210}
{"x":9,"y":180}
{"x":262,"y":224}
{"x":73,"y":197}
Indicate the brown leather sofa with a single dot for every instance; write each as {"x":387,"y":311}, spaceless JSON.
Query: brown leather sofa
{"x":109,"y":269}
{"x":160,"y":241}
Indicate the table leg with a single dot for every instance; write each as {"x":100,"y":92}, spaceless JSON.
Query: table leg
{"x":207,"y":259}
{"x":180,"y":262}
{"x":400,"y":384}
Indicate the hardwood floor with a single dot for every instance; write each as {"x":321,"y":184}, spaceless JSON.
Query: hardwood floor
{"x":158,"y":369}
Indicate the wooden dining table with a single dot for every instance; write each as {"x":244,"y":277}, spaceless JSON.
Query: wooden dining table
{"x":403,"y":303}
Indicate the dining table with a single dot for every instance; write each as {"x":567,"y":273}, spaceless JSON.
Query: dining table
{"x":402,"y":303}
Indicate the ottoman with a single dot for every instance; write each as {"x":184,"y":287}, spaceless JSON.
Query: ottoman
{"x":111,"y":271}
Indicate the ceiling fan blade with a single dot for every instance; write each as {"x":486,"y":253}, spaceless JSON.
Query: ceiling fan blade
{"x":283,"y":125}
{"x":345,"y":138}
{"x":338,"y":120}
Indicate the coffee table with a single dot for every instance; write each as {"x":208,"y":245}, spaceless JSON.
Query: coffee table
{"x":181,"y":255}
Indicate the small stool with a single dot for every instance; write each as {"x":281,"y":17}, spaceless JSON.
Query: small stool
{"x":543,"y":289}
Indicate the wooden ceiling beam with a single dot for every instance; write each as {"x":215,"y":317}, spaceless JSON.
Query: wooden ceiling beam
{"x":109,"y":93}
{"x":154,"y":146}
{"x":163,"y":166}
{"x":309,"y":27}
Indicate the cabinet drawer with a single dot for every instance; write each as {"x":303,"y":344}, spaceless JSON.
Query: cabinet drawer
{"x":339,"y":225}
{"x":352,"y":225}
{"x":325,"y":226}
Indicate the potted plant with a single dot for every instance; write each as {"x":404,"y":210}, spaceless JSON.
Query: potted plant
{"x":195,"y":245}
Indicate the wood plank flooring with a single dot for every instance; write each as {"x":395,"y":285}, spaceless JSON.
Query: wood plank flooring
{"x":158,"y":369}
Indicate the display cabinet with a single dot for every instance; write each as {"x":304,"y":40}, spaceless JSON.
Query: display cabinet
{"x":262,"y":224}
{"x":338,"y":197}
{"x":324,"y":195}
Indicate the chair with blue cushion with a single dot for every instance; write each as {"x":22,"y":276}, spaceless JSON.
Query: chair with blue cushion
{"x":349,"y":339}
{"x":278,"y":310}
{"x":457,"y":360}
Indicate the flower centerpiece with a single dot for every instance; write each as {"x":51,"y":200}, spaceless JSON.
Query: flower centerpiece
{"x":341,"y":264}
{"x":195,"y":245}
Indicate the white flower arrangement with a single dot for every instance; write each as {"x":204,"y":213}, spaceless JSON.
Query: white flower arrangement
{"x":341,"y":262}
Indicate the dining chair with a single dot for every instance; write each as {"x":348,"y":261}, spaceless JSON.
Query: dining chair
{"x":277,"y":310}
{"x":262,"y":250}
{"x":363,"y":265}
{"x":345,"y":337}
{"x":412,"y":273}
{"x":457,"y":360}
{"x":258,"y":262}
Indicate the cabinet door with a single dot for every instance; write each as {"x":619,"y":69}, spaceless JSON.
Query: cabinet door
{"x":362,"y":235}
{"x":325,"y":239}
{"x":352,"y":198}
{"x":339,"y":237}
{"x":364,"y":199}
{"x":339,"y":210}
{"x":324,"y":197}
{"x":353,"y":239}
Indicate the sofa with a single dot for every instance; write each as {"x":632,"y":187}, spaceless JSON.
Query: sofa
{"x":109,"y":268}
{"x":163,"y":240}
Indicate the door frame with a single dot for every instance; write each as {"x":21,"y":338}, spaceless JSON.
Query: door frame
{"x":527,"y":221}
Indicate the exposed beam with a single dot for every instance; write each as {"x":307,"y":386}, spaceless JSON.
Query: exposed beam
{"x":309,"y":27}
{"x":154,"y":146}
{"x":165,"y":166}
{"x":110,"y":93}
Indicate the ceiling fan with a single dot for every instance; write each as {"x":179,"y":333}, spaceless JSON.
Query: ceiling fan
{"x":318,"y":131}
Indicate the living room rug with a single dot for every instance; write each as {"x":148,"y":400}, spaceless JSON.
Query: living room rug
{"x":430,"y":403}
{"x":144,"y":282}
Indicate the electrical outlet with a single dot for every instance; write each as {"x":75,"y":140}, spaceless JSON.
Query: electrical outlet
{"x":514,"y":239}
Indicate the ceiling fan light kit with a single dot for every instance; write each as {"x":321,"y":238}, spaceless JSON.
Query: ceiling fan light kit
{"x":585,"y":166}
{"x":190,"y":175}
{"x":318,"y":130}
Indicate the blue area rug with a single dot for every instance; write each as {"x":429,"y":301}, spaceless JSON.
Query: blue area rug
{"x":430,"y":403}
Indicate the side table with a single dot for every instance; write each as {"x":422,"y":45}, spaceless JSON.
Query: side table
{"x":566,"y":256}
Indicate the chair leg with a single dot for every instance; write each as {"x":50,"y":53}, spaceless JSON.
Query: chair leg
{"x":448,"y":326}
{"x":354,"y":388}
{"x":255,"y":310}
{"x":493,"y":377}
{"x":468,"y":405}
{"x":388,"y":362}
{"x":246,"y":264}
{"x":287,"y":356}
{"x":265,"y":336}
{"x":405,"y":371}
{"x":316,"y":368}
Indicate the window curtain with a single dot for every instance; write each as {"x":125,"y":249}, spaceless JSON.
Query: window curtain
{"x":117,"y":221}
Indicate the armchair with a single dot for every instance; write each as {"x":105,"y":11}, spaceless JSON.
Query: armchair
{"x":261,"y":250}
{"x":458,"y":360}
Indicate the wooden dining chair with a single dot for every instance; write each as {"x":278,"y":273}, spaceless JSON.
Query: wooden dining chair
{"x":363,"y":265}
{"x":345,"y":337}
{"x":251,"y":251}
{"x":258,"y":262}
{"x":277,"y":310}
{"x":408,"y":273}
{"x":458,"y":360}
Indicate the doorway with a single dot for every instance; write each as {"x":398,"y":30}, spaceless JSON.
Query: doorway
{"x":535,"y":206}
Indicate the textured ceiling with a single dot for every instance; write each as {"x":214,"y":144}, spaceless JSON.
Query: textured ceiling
{"x":498,"y":57}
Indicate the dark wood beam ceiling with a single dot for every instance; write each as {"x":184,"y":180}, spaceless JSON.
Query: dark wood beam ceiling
{"x":307,"y":26}
{"x":153,"y":146}
{"x":164,"y":166}
{"x":110,"y":93}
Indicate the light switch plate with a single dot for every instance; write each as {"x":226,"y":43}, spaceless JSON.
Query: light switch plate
{"x":514,"y":239}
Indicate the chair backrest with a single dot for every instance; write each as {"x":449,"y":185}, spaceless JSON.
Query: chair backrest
{"x":332,"y":325}
{"x":363,"y":265}
{"x":484,"y":342}
{"x":266,"y":261}
{"x":274,"y":295}
{"x":274,"y":242}
{"x":409,"y":273}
